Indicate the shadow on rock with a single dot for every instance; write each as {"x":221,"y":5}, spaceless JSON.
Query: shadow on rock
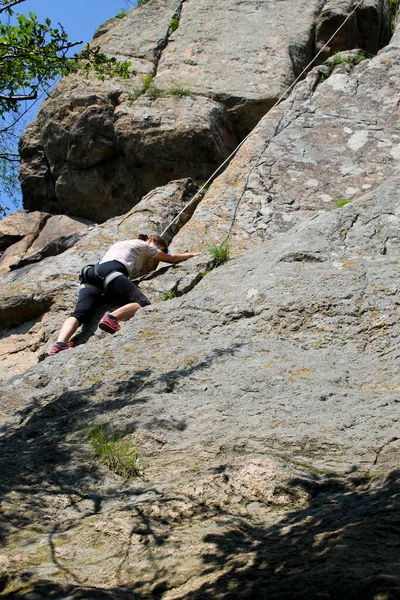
{"x":49,"y":454}
{"x":344,"y":545}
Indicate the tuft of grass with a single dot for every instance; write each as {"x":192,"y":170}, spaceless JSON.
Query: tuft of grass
{"x":155,"y":92}
{"x":208,"y":270}
{"x":150,"y":87}
{"x":179,"y":91}
{"x":119,"y":455}
{"x":220,"y":254}
{"x":343,"y":201}
{"x":340,"y":58}
{"x":360,"y":59}
{"x":121,"y":14}
{"x":173,"y":26}
{"x":147,"y":81}
{"x":168,"y":295}
{"x":142,"y":2}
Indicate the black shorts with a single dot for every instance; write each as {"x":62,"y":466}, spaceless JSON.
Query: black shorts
{"x":120,"y":289}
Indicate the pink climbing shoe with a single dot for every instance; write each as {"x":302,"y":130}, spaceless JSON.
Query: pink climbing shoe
{"x":59,"y":346}
{"x":109,"y":323}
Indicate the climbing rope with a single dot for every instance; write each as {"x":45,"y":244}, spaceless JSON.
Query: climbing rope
{"x":227,"y":160}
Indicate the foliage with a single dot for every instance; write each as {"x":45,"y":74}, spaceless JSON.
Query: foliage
{"x":32,"y":56}
{"x":155,"y":92}
{"x":173,"y":26}
{"x":220,"y":254}
{"x":120,"y":456}
{"x":343,"y":201}
{"x":142,"y":2}
{"x":121,"y":14}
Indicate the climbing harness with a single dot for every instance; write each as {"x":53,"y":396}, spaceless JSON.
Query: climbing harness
{"x":90,"y":275}
{"x":227,"y":160}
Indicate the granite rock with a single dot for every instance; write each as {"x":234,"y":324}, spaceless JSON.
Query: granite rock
{"x":332,"y":140}
{"x":96,"y":148}
{"x":29,"y":237}
{"x":265,"y":406}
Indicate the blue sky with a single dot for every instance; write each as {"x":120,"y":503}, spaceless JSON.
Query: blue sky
{"x":80,"y":18}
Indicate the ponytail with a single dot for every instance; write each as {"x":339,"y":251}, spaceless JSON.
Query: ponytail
{"x":159,"y":241}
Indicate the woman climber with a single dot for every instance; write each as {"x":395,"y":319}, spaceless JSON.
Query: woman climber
{"x":122,"y":262}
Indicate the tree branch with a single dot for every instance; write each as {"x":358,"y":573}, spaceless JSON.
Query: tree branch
{"x":18,"y":98}
{"x":11,"y":5}
{"x":38,"y":52}
{"x":9,"y":157}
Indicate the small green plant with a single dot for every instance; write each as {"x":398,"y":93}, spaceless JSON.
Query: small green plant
{"x":220,"y":254}
{"x":134,"y":95}
{"x":168,"y":295}
{"x":343,"y":201}
{"x":142,"y":2}
{"x":203,"y":182}
{"x":360,"y":59}
{"x":121,"y":14}
{"x":150,"y":87}
{"x":340,"y":58}
{"x":208,"y":270}
{"x":119,"y":455}
{"x":179,"y":91}
{"x":173,"y":26}
{"x":394,"y":6}
{"x":155,"y":92}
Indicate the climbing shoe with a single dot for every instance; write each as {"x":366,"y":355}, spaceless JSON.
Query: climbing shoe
{"x":109,"y":323}
{"x":59,"y":346}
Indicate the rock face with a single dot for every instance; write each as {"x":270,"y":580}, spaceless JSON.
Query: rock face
{"x":262,"y":394}
{"x":265,"y":406}
{"x":335,"y":138}
{"x":97,"y":148}
{"x":28,"y":237}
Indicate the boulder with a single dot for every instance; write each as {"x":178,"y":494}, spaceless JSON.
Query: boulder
{"x":368,"y":28}
{"x":19,"y":224}
{"x":39,"y":235}
{"x":111,"y":157}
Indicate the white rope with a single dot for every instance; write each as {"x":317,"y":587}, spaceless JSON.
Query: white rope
{"x":276,"y":104}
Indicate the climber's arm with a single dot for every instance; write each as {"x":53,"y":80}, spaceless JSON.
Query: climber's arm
{"x":175,"y":258}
